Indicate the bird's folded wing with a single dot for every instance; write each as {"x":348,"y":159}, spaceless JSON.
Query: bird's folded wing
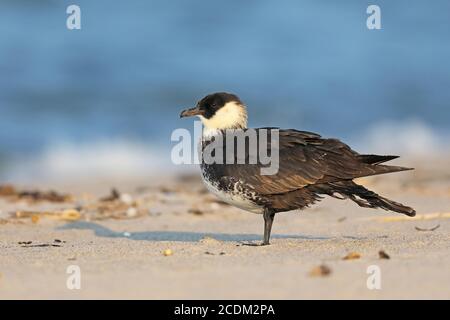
{"x":304,"y":159}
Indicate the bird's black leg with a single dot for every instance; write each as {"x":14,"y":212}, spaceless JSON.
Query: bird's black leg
{"x":268,"y":220}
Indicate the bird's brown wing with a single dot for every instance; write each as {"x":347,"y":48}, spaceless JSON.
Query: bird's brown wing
{"x":305,"y":159}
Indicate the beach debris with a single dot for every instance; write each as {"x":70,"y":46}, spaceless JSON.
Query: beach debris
{"x":209,"y":240}
{"x":116,"y":206}
{"x":40,"y":245}
{"x":7,"y":190}
{"x":383,"y":255}
{"x":114,"y":195}
{"x":29,"y":244}
{"x":35,"y":216}
{"x":342,"y":219}
{"x":165,"y":189}
{"x":352,"y":256}
{"x":33,"y":195}
{"x":196,"y":212}
{"x":132,"y":212}
{"x":28,"y":214}
{"x":320,"y":271}
{"x":51,"y":196}
{"x":213,"y":254}
{"x":126,"y":198}
{"x":113,"y":209}
{"x":69,"y":214}
{"x":425,"y":229}
{"x":167,"y":252}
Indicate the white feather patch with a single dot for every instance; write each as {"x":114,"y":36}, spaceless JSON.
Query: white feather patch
{"x":231,"y":116}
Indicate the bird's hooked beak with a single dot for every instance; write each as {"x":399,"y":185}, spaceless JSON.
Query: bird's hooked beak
{"x":191,"y":112}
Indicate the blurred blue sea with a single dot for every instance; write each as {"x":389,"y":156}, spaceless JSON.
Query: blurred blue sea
{"x":108,"y":96}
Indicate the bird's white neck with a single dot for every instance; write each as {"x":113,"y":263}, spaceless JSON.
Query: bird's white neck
{"x":232,"y":115}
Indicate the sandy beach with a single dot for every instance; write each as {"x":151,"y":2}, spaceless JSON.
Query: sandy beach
{"x":170,"y":239}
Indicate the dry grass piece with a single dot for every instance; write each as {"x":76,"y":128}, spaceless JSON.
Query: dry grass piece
{"x":430,"y":229}
{"x":352,"y":256}
{"x":67,"y":215}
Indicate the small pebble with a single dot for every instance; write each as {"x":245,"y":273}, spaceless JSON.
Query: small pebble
{"x":383,"y":255}
{"x":131,"y":212}
{"x":320,"y":271}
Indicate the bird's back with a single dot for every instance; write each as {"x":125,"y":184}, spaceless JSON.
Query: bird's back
{"x":304,"y":159}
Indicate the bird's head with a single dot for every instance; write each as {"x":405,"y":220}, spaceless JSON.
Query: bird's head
{"x":219,"y":111}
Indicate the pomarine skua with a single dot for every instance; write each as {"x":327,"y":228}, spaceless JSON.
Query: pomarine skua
{"x":309,"y":166}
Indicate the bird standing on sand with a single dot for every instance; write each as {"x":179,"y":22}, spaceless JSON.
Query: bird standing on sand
{"x":309,"y":167}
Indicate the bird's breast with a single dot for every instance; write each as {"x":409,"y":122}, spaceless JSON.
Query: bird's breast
{"x":234,"y":193}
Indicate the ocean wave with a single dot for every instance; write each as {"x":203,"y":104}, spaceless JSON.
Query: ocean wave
{"x":128,"y":159}
{"x":412,"y":138}
{"x":96,"y":160}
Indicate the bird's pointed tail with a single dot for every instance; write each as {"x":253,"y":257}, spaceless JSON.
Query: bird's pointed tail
{"x":366,"y":198}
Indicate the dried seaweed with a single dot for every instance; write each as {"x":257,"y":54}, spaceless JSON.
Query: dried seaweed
{"x":33,"y":195}
{"x":430,"y":229}
{"x":41,"y":245}
{"x":68,"y":215}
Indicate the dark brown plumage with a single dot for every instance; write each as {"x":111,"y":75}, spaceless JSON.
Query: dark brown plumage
{"x":309,"y":166}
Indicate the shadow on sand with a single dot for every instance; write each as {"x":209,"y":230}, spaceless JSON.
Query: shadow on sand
{"x":102,"y":231}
